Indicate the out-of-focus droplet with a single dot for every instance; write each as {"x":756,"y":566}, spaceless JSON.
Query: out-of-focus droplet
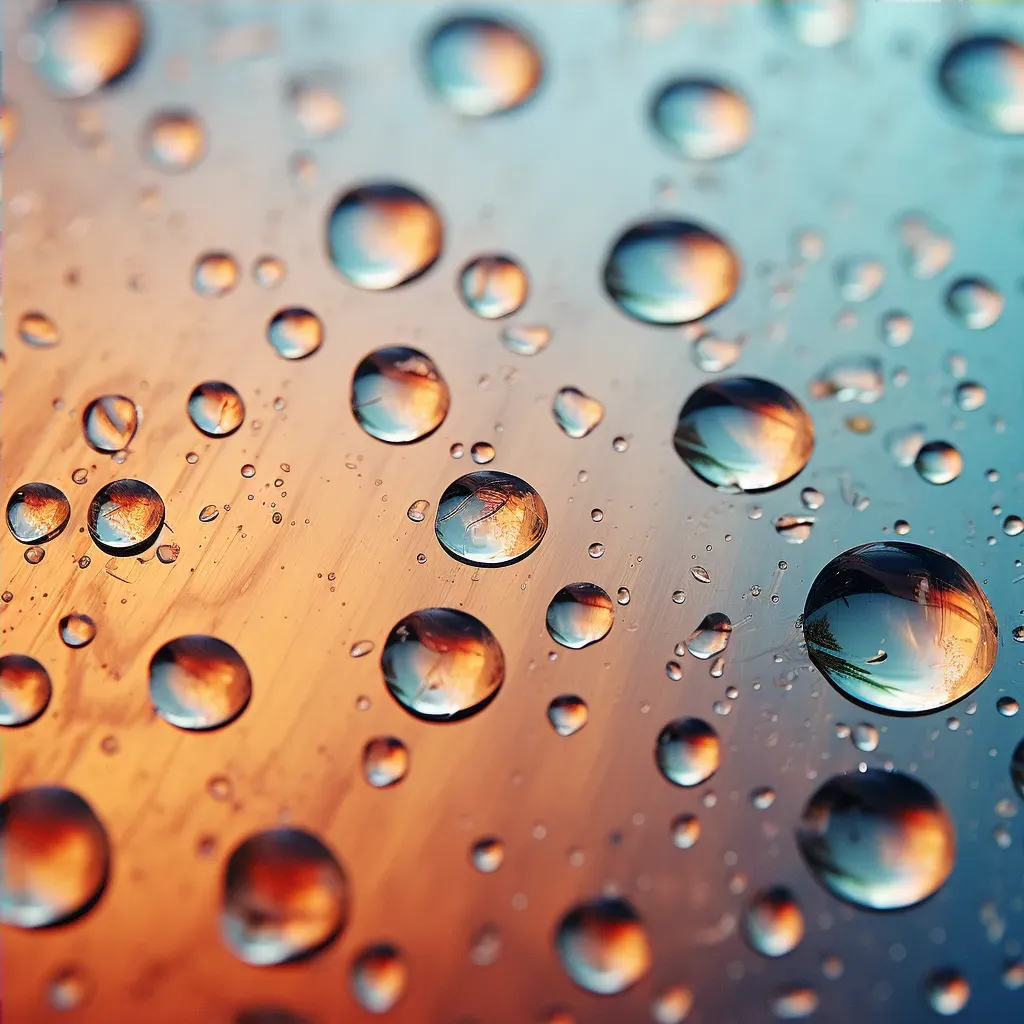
{"x":316,"y":106}
{"x":1017,"y":769}
{"x":818,"y":23}
{"x":904,"y":443}
{"x":490,"y":518}
{"x":603,"y":945}
{"x":269,"y":271}
{"x":479,"y":66}
{"x":38,"y":330}
{"x":525,"y":339}
{"x":762,"y":798}
{"x":576,"y":413}
{"x":37,"y":512}
{"x":713,"y":354}
{"x":672,"y":1005}
{"x":285,"y":897}
{"x":711,"y":637}
{"x":859,"y":278}
{"x":702,"y":119}
{"x":482,"y":452}
{"x":685,"y":831}
{"x":383,"y":235}
{"x":385,"y":761}
{"x":378,"y":978}
{"x":77,"y":629}
{"x":568,"y":714}
{"x":970,"y":396}
{"x":25,"y":690}
{"x":488,"y":854}
{"x":795,"y":1002}
{"x":56,"y":857}
{"x":580,"y":614}
{"x":897,"y":329}
{"x":110,"y":423}
{"x":812,"y":498}
{"x":215,"y":274}
{"x":125,"y":517}
{"x":938,"y":462}
{"x":688,"y":751}
{"x":295,"y":333}
{"x":69,"y":988}
{"x":174,"y":141}
{"x":852,"y":379}
{"x":927,"y":250}
{"x":671,"y":272}
{"x":744,"y":434}
{"x":773,"y":922}
{"x":215,"y":408}
{"x":198,"y":682}
{"x":399,"y":395}
{"x":947,"y":989}
{"x":865,"y":736}
{"x":877,"y":839}
{"x":794,"y":529}
{"x":974,"y":303}
{"x":982,"y":78}
{"x":442,"y":664}
{"x":493,"y":286}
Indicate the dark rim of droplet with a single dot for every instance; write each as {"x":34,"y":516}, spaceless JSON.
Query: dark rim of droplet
{"x":92,"y":516}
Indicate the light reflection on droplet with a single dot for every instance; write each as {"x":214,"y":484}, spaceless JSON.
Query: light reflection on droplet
{"x":295,"y":333}
{"x":37,"y":512}
{"x":174,"y":141}
{"x":399,"y":395}
{"x":773,"y":922}
{"x":110,"y":422}
{"x":702,"y":119}
{"x":378,"y":978}
{"x":580,"y":614}
{"x":77,"y":629}
{"x":493,"y":286}
{"x":688,"y":751}
{"x":938,"y":462}
{"x":982,"y":78}
{"x":38,"y":330}
{"x":974,"y":303}
{"x":576,"y":413}
{"x":568,"y":714}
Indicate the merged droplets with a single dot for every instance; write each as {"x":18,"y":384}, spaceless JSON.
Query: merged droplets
{"x":56,"y":857}
{"x":25,"y":690}
{"x":198,"y":682}
{"x":110,"y":423}
{"x":947,"y":991}
{"x":773,"y":922}
{"x":399,"y":395}
{"x":579,"y":615}
{"x":295,"y":333}
{"x":490,"y":518}
{"x":938,"y":462}
{"x":982,"y":78}
{"x":174,"y":141}
{"x":493,"y":286}
{"x":285,"y":897}
{"x":385,"y":761}
{"x":479,"y":66}
{"x":568,"y":714}
{"x":442,"y":664}
{"x":378,"y":978}
{"x":576,"y":413}
{"x":744,"y":434}
{"x":974,"y":303}
{"x":711,"y":637}
{"x":603,"y":945}
{"x":215,"y":274}
{"x":670,"y":272}
{"x":877,"y":839}
{"x":688,"y":751}
{"x":702,"y":119}
{"x":37,"y":512}
{"x":216,"y":408}
{"x":38,"y":330}
{"x":381,"y":236}
{"x":77,"y":629}
{"x":125,"y":517}
{"x":899,"y":627}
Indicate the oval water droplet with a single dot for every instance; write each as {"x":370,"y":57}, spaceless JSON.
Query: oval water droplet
{"x":493,"y":286}
{"x":970,"y":395}
{"x":488,"y":854}
{"x":110,"y":423}
{"x":702,"y":119}
{"x":295,"y":333}
{"x":700,"y":574}
{"x":378,"y":978}
{"x":385,"y":761}
{"x":713,"y":354}
{"x":215,"y":408}
{"x":859,"y":278}
{"x":215,"y":274}
{"x":208,"y":513}
{"x":174,"y":141}
{"x":947,"y":989}
{"x":711,"y":637}
{"x":974,"y":303}
{"x":77,"y":629}
{"x":526,"y":339}
{"x":37,"y":512}
{"x":399,"y":395}
{"x":897,"y":329}
{"x":773,"y":922}
{"x":568,"y":714}
{"x":576,"y":413}
{"x":864,"y":735}
{"x":688,"y":751}
{"x":794,"y":529}
{"x":938,"y":462}
{"x":482,"y":452}
{"x":579,"y":615}
{"x":316,"y":106}
{"x":982,"y":78}
{"x":851,"y":379}
{"x":125,"y":517}
{"x":69,"y":988}
{"x":269,"y":271}
{"x":25,"y":690}
{"x":795,"y":1002}
{"x":38,"y":330}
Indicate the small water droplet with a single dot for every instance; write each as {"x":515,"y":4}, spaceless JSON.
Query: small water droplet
{"x":488,"y":854}
{"x":482,"y":453}
{"x":38,"y":330}
{"x":713,"y":354}
{"x":595,"y":550}
{"x":702,"y":119}
{"x":859,"y":278}
{"x":576,"y":413}
{"x":69,"y":988}
{"x":493,"y":286}
{"x":818,"y":23}
{"x":980,"y":77}
{"x":77,"y":629}
{"x":316,"y":106}
{"x":580,"y":614}
{"x":525,"y":339}
{"x":938,"y":462}
{"x":34,"y":555}
{"x":700,"y":574}
{"x":215,"y":408}
{"x":794,"y":529}
{"x":269,"y":271}
{"x":896,"y":329}
{"x":174,"y":141}
{"x":378,"y":978}
{"x":947,"y":989}
{"x":864,"y":736}
{"x":974,"y":303}
{"x":25,"y":690}
{"x":688,"y":751}
{"x":622,"y":595}
{"x":773,"y":922}
{"x":568,"y":714}
{"x":1007,"y":706}
{"x":603,"y":946}
{"x":215,"y":274}
{"x":385,"y":761}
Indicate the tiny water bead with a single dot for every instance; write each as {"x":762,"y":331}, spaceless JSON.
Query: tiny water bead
{"x":110,"y":423}
{"x":596,"y":550}
{"x":974,"y":303}
{"x":174,"y":141}
{"x":385,"y":761}
{"x":480,"y":66}
{"x":198,"y":682}
{"x":938,"y":462}
{"x":269,"y":271}
{"x":525,"y":339}
{"x":38,"y":330}
{"x":688,"y":751}
{"x":488,"y":854}
{"x":818,"y":23}
{"x":576,"y":413}
{"x":744,"y":434}
{"x":670,"y":272}
{"x":285,"y":896}
{"x":125,"y":517}
{"x":56,"y":857}
{"x":762,"y":798}
{"x":77,"y":629}
{"x":399,"y":395}
{"x":568,"y":714}
{"x":899,"y":627}
{"x":215,"y":274}
{"x":25,"y":690}
{"x":490,"y":518}
{"x":580,"y":614}
{"x":482,"y":452}
{"x":700,"y":574}
{"x":316,"y":106}
{"x":295,"y":333}
{"x":441,"y":664}
{"x":702,"y":119}
{"x":493,"y":286}
{"x":378,"y":978}
{"x":711,"y":637}
{"x":982,"y":78}
{"x":877,"y":839}
{"x":685,"y":831}
{"x":865,"y":737}
{"x":947,"y":989}
{"x":384,"y":235}
{"x":1017,"y":769}
{"x":773,"y":922}
{"x":215,"y":408}
{"x":37,"y":512}
{"x":859,"y":278}
{"x":603,"y":946}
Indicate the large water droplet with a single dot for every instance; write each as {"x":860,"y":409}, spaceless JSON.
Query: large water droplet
{"x":974,"y":303}
{"x":385,"y":761}
{"x":982,"y":77}
{"x":711,"y":637}
{"x":77,"y":629}
{"x":877,"y":839}
{"x":198,"y":682}
{"x":37,"y":512}
{"x":378,"y":978}
{"x":295,"y":333}
{"x":671,"y":272}
{"x":399,"y":395}
{"x":442,"y":664}
{"x":25,"y":690}
{"x":216,"y":408}
{"x":38,"y":330}
{"x":576,"y":413}
{"x":702,"y":119}
{"x":688,"y":751}
{"x":947,"y":989}
{"x":125,"y":517}
{"x":580,"y":614}
{"x":174,"y":140}
{"x":817,"y":22}
{"x":744,"y":434}
{"x":773,"y":922}
{"x":493,"y":286}
{"x":110,"y":423}
{"x":938,"y":462}
{"x":285,"y":897}
{"x":568,"y":714}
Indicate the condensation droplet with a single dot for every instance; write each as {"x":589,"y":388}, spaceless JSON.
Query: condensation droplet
{"x":688,"y":751}
{"x":215,"y":274}
{"x":215,"y":408}
{"x":938,"y":462}
{"x":399,"y":395}
{"x":37,"y":512}
{"x":702,"y":119}
{"x":77,"y":629}
{"x":580,"y":614}
{"x":982,"y":78}
{"x":974,"y":303}
{"x":174,"y":141}
{"x":378,"y":978}
{"x":493,"y":286}
{"x":25,"y":690}
{"x":295,"y":333}
{"x":773,"y":922}
{"x":385,"y":761}
{"x":568,"y":714}
{"x":576,"y":413}
{"x":525,"y":339}
{"x":38,"y":330}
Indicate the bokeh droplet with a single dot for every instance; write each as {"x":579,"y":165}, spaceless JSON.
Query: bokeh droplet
{"x":295,"y":333}
{"x":702,"y":119}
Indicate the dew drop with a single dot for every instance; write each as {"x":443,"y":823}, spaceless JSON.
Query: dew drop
{"x":525,"y":339}
{"x":493,"y":286}
{"x":947,"y":989}
{"x":77,"y":630}
{"x":399,"y":395}
{"x":711,"y":637}
{"x":982,"y":78}
{"x":622,"y":595}
{"x":215,"y":274}
{"x":215,"y":408}
{"x":37,"y":512}
{"x":974,"y":303}
{"x":378,"y":978}
{"x":25,"y":690}
{"x":385,"y":761}
{"x":482,"y":453}
{"x":174,"y":141}
{"x":295,"y":333}
{"x":688,"y":751}
{"x":580,"y":614}
{"x":568,"y":714}
{"x":702,"y":119}
{"x":576,"y":413}
{"x":38,"y":330}
{"x":125,"y":517}
{"x":110,"y":423}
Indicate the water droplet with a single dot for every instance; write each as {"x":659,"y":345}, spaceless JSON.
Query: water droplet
{"x":671,"y":272}
{"x":795,"y":1002}
{"x":702,"y":119}
{"x":215,"y":408}
{"x":851,"y":379}
{"x":125,"y":517}
{"x":385,"y":761}
{"x":208,"y":513}
{"x":1007,"y":707}
{"x":37,"y":512}
{"x":812,"y":498}
{"x":794,"y":529}
{"x":69,"y":988}
{"x":679,"y":597}
{"x":897,"y":329}
{"x":595,"y":550}
{"x":927,"y":250}
{"x":77,"y":629}
{"x":1017,"y":769}
{"x":713,"y":354}
{"x":285,"y":897}
{"x":580,"y":614}
{"x":744,"y":434}
{"x":479,"y":66}
{"x":1013,"y":526}
{"x":25,"y":690}
{"x":110,"y":423}
{"x":700,"y":574}
{"x":970,"y":396}
{"x":773,"y":922}
{"x":688,"y":751}
{"x":568,"y":714}
{"x":576,"y":413}
{"x":482,"y":453}
{"x":603,"y":945}
{"x":622,"y":595}
{"x":493,"y":286}
{"x":711,"y":637}
{"x":381,"y":236}
{"x":620,"y":444}
{"x":864,"y":736}
{"x":174,"y":141}
{"x":901,"y":527}
{"x":56,"y":857}
{"x":399,"y":395}
{"x":981,"y":78}
{"x":215,"y":274}
{"x":316,"y":107}
{"x":488,"y":854}
{"x":859,"y":278}
{"x":168,"y":553}
{"x":269,"y":271}
{"x":525,"y":339}
{"x":921,"y":609}
{"x":1018,"y":634}
{"x":248,"y":471}
{"x":974,"y":303}
{"x":378,"y":978}
{"x":938,"y":462}
{"x":490,"y":518}
{"x":818,"y":23}
{"x":198,"y":682}
{"x":361,"y":648}
{"x":295,"y":333}
{"x":38,"y":330}
{"x":34,"y":555}
{"x":762,"y":798}
{"x":441,"y":664}
{"x":685,"y":831}
{"x":877,"y":839}
{"x":947,"y":989}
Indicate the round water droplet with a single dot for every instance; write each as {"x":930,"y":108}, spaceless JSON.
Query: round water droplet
{"x":744,"y":434}
{"x":1007,"y":706}
{"x":673,"y":1005}
{"x":457,"y":450}
{"x":479,"y":66}
{"x":603,"y":945}
{"x":576,"y":413}
{"x":688,"y":751}
{"x":817,"y":22}
{"x":974,"y":303}
{"x":418,"y":510}
{"x":938,"y":462}
{"x":488,"y":854}
{"x":216,"y":408}
{"x":316,"y":106}
{"x":198,"y":682}
{"x":38,"y":330}
{"x":982,"y":78}
{"x":864,"y":736}
{"x":970,"y":396}
{"x":580,"y":614}
{"x":490,"y":518}
{"x":859,"y":278}
{"x":685,"y":831}
{"x":493,"y":286}
{"x":482,"y":453}
{"x":110,"y":423}
{"x":168,"y":553}
{"x":56,"y":857}
{"x":671,"y":272}
{"x":399,"y":395}
{"x":525,"y":339}
{"x":284,"y":897}
{"x":622,"y":595}
{"x":711,"y":637}
{"x":69,"y":988}
{"x":295,"y":333}
{"x":174,"y":141}
{"x":378,"y":978}
{"x":25,"y":690}
{"x":269,"y":271}
{"x":34,"y":555}
{"x":812,"y":498}
{"x":947,"y":989}
{"x":442,"y":664}
{"x":383,"y":235}
{"x":37,"y":512}
{"x":568,"y":714}
{"x":773,"y":922}
{"x":899,"y":627}
{"x":385,"y":761}
{"x":215,"y":274}
{"x":77,"y":629}
{"x":87,"y":45}
{"x":702,"y":119}
{"x":125,"y":517}
{"x":877,"y":839}
{"x":1013,"y":526}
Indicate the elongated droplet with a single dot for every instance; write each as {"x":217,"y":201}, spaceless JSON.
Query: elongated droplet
{"x":702,"y":119}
